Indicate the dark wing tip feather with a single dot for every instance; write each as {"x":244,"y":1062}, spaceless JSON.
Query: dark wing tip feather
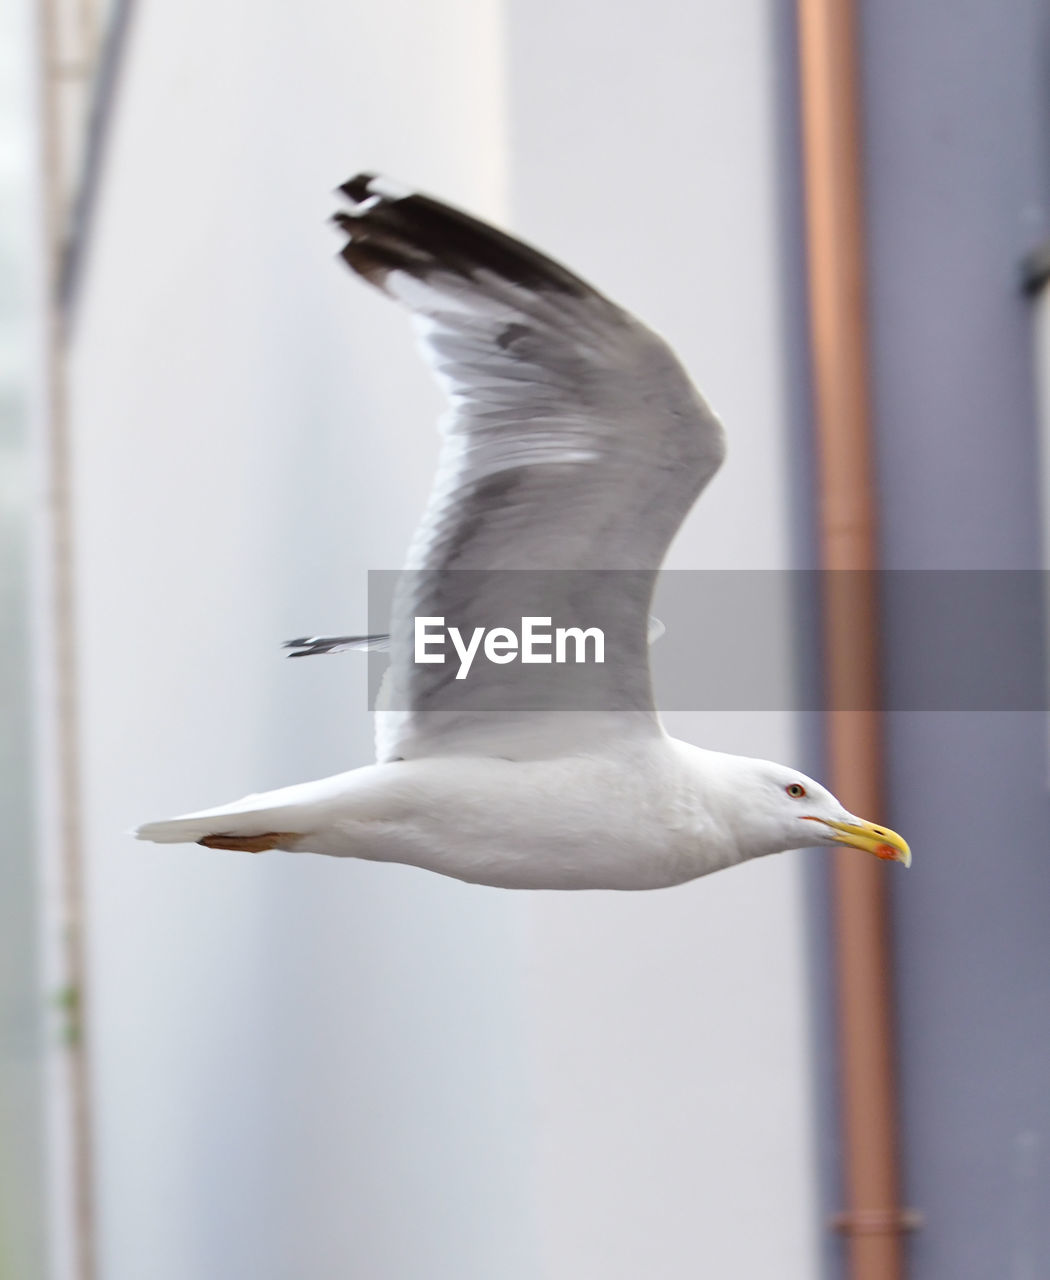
{"x":305,"y":646}
{"x":388,"y":230}
{"x":357,"y":186}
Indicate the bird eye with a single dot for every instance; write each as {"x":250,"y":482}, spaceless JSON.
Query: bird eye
{"x":795,"y":790}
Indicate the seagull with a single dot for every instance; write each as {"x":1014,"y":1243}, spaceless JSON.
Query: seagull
{"x":575,"y":444}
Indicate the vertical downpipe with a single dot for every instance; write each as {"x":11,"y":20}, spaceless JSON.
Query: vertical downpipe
{"x":872,"y":1220}
{"x":65,"y":43}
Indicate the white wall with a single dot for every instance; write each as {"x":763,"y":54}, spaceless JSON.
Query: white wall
{"x":308,"y":1069}
{"x":673,"y":1053}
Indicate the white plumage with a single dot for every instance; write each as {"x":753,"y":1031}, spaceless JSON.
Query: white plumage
{"x":576,"y":445}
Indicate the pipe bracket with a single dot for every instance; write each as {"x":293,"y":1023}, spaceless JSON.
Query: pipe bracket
{"x":876,"y":1222}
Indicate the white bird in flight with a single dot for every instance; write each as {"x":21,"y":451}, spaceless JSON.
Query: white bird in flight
{"x":575,"y":442}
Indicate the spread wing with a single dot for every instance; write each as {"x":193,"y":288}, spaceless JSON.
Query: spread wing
{"x":574,"y":447}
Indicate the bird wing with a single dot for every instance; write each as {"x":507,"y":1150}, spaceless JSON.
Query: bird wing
{"x":310,"y":646}
{"x":574,"y":447}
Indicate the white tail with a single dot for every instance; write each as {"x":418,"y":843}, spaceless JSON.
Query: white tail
{"x":288,"y":810}
{"x":180,"y":830}
{"x":253,"y":816}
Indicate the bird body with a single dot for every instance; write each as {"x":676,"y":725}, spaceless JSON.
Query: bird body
{"x":670,"y":812}
{"x":574,"y":448}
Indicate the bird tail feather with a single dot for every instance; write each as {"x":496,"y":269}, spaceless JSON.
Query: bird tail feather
{"x":252,"y":816}
{"x":176,"y":831}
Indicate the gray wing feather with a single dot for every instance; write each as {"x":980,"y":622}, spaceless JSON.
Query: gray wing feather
{"x":307,"y":646}
{"x":575,"y":441}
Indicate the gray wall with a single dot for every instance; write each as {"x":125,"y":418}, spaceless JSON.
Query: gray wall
{"x":957,"y":99}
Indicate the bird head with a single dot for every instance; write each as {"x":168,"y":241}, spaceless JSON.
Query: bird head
{"x":786,"y":810}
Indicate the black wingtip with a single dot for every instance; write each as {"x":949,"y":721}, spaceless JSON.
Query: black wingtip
{"x":357,"y":186}
{"x":306,"y":645}
{"x":391,"y":228}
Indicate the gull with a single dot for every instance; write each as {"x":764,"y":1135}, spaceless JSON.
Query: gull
{"x":575,"y":446}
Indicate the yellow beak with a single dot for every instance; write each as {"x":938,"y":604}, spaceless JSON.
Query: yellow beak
{"x":880,"y":841}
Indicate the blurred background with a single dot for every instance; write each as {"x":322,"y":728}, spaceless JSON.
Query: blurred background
{"x":224,"y":1067}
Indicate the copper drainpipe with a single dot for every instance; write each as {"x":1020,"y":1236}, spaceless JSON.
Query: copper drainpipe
{"x":872,"y":1219}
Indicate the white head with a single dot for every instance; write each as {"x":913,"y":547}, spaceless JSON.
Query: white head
{"x":773,"y":808}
